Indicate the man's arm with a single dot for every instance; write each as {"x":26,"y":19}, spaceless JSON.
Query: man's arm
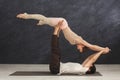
{"x":92,"y":58}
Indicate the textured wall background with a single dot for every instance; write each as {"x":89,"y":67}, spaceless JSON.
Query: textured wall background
{"x":22,"y":41}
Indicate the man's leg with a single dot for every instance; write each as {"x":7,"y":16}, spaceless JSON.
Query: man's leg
{"x":55,"y":52}
{"x":89,"y":63}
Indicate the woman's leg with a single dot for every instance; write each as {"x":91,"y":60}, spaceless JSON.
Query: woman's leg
{"x":43,"y":19}
{"x":31,"y":16}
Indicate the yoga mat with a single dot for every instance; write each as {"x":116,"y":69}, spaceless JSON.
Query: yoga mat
{"x":47,"y":73}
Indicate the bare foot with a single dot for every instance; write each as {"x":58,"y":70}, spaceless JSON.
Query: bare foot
{"x":106,"y":50}
{"x":22,"y":16}
{"x":57,"y":27}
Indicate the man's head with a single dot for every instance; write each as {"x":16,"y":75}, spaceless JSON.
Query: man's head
{"x":91,"y":70}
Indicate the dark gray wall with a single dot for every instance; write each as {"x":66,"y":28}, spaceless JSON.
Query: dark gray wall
{"x":21,"y":41}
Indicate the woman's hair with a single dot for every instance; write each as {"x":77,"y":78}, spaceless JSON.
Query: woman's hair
{"x":91,"y":70}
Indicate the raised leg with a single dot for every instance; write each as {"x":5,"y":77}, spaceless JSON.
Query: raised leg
{"x":51,"y":21}
{"x":31,"y":16}
{"x":55,"y":52}
{"x":42,"y":19}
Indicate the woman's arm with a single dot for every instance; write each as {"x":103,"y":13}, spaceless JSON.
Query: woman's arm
{"x":91,"y":46}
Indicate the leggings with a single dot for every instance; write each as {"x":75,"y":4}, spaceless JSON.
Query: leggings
{"x":54,"y":64}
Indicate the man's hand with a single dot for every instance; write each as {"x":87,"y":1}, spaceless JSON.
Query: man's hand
{"x":22,"y":16}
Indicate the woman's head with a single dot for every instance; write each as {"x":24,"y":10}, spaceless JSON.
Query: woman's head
{"x":81,"y":48}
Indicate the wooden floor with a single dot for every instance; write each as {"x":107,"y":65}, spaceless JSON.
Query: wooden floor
{"x":108,"y":71}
